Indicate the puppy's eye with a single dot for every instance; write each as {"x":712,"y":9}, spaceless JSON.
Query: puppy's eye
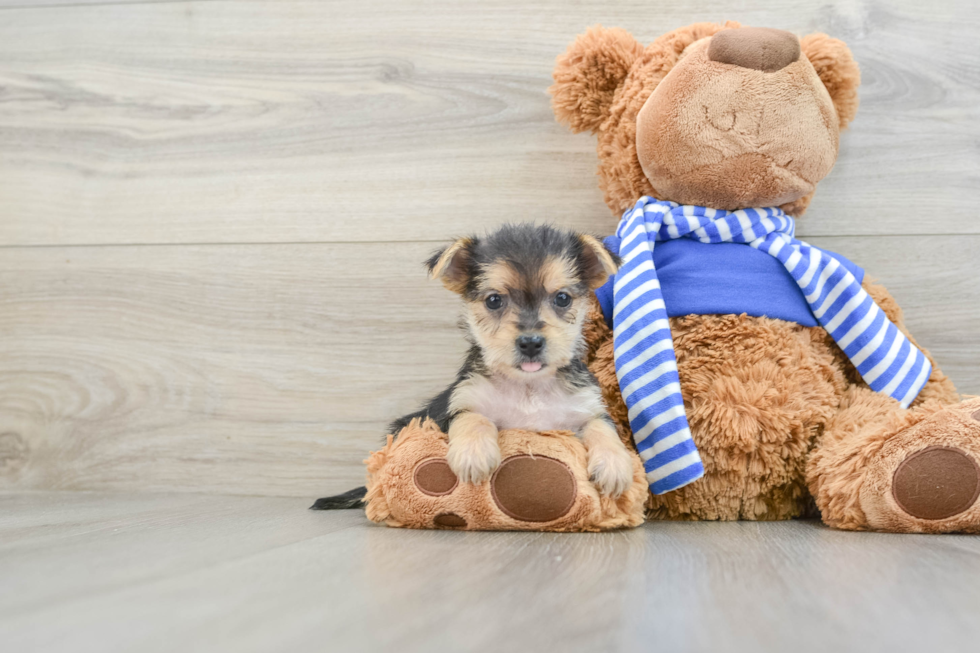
{"x":563,"y":299}
{"x":494,"y":302}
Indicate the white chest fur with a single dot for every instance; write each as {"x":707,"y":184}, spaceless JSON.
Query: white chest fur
{"x":538,"y":405}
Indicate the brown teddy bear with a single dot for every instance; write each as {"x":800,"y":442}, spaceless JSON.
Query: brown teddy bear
{"x":728,"y":128}
{"x":726,"y":118}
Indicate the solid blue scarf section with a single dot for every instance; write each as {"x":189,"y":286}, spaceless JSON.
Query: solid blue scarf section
{"x":723,"y":279}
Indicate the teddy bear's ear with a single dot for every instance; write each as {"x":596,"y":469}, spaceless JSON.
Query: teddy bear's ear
{"x":837,"y":70}
{"x":588,"y":74}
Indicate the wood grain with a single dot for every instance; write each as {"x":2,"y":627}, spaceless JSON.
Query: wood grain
{"x":214,"y":212}
{"x":273,"y":369}
{"x":151,"y":573}
{"x":200,"y":122}
{"x":248,"y":369}
{"x":60,"y":4}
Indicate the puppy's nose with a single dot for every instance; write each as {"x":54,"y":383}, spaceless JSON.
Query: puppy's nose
{"x":530,"y":346}
{"x":758,"y":48}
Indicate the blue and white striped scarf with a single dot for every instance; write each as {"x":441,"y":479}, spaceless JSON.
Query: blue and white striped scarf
{"x":644,"y":352}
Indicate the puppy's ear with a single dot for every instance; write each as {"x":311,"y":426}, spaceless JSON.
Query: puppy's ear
{"x":588,"y":74}
{"x":596,"y":263}
{"x":837,"y":70}
{"x":453,"y":265}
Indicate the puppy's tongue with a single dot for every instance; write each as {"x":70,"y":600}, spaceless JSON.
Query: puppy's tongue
{"x":531,"y":367}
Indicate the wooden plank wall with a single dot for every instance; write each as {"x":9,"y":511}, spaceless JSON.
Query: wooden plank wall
{"x":212,"y":214}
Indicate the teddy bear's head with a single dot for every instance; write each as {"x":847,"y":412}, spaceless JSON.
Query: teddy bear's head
{"x":722,"y":116}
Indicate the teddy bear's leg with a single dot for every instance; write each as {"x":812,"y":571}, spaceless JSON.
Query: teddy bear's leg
{"x":880,"y":467}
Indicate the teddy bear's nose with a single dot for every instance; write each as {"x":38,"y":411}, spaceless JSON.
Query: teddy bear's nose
{"x":758,"y":48}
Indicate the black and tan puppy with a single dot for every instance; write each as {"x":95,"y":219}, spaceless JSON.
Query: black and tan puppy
{"x":526,"y":292}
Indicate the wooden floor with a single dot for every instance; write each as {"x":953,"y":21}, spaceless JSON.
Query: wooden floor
{"x":102,"y":573}
{"x":213,"y":214}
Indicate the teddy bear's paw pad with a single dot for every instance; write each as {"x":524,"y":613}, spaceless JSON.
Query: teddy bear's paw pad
{"x":937,"y":482}
{"x":534,"y":488}
{"x":449,"y":520}
{"x":435,"y":478}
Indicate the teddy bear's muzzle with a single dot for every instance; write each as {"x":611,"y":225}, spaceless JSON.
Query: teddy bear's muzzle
{"x":756,"y":48}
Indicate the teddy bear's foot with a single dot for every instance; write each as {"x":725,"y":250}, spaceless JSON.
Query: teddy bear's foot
{"x":526,"y":488}
{"x":541,"y":483}
{"x":926,"y":478}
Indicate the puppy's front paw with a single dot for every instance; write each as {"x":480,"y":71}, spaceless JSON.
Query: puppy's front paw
{"x":473,"y":457}
{"x":473,"y":449}
{"x":610,"y":468}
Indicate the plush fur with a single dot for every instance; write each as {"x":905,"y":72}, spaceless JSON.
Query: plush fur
{"x":784,"y":424}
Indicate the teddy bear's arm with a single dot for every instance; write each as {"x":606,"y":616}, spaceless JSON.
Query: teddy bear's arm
{"x":939,"y":386}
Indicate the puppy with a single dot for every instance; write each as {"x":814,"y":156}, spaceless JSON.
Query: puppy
{"x":526,"y":291}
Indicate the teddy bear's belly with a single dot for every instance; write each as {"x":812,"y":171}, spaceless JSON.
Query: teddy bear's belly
{"x":758,"y":392}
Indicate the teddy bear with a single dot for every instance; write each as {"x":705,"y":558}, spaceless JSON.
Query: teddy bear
{"x":724,"y":120}
{"x":790,"y":384}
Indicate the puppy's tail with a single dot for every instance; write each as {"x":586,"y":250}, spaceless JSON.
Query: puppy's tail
{"x":350,"y":499}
